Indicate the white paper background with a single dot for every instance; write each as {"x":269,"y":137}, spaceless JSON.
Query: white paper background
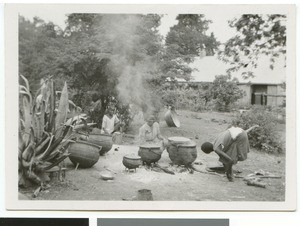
{"x":236,"y":218}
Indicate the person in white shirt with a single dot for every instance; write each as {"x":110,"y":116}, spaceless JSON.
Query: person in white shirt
{"x":150,"y":133}
{"x":110,"y":122}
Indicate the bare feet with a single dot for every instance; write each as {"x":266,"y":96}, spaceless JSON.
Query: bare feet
{"x":229,"y":177}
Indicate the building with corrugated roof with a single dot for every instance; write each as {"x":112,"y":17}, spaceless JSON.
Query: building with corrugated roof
{"x":265,"y":88}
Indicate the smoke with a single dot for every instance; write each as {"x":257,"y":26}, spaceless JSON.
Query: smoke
{"x":133,"y":87}
{"x":124,"y":37}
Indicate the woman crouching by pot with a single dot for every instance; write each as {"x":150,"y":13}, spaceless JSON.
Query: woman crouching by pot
{"x":232,"y":146}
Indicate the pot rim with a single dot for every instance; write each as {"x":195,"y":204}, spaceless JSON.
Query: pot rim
{"x":149,"y":146}
{"x":192,"y":145}
{"x":180,"y":139}
{"x":88,"y":143}
{"x":132,"y":157}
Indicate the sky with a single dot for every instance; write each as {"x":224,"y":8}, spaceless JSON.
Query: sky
{"x":263,"y":74}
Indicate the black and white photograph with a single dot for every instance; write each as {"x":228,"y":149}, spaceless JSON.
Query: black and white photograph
{"x":132,"y":108}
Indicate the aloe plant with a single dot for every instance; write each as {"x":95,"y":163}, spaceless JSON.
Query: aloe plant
{"x":44,"y":131}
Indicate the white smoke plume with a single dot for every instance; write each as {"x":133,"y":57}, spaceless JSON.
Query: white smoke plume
{"x":123,"y":41}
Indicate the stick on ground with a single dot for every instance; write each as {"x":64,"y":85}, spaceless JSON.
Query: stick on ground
{"x":205,"y":172}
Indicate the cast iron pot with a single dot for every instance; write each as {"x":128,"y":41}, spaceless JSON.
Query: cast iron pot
{"x":132,"y":162}
{"x":150,"y":153}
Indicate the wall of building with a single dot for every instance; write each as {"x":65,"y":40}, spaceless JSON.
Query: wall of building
{"x":246,"y":100}
{"x":275,"y":94}
{"x":279,"y":97}
{"x":272,"y":100}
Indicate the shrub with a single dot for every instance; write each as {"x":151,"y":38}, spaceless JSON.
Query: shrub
{"x":225,"y":92}
{"x":84,"y":99}
{"x":279,"y":113}
{"x":265,"y":137}
{"x":184,"y":98}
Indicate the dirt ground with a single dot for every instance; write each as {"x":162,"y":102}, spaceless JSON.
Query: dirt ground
{"x":86,"y":184}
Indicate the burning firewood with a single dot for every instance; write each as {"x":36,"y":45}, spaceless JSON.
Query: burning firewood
{"x":164,"y":169}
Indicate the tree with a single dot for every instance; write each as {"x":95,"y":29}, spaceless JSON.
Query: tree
{"x":119,"y":57}
{"x":257,"y":35}
{"x":211,"y":44}
{"x":224,"y":91}
{"x":185,"y":41}
{"x":40,"y":43}
{"x":114,"y":55}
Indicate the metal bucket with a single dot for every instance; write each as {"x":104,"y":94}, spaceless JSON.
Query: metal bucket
{"x":171,"y":119}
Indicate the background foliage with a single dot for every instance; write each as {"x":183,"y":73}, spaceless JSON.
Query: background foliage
{"x":265,"y":137}
{"x":120,"y":57}
{"x":257,"y":35}
{"x":225,"y":91}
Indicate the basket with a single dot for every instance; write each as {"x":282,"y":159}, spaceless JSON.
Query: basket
{"x":84,"y":153}
{"x":182,"y":154}
{"x":150,"y":153}
{"x":132,"y":161}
